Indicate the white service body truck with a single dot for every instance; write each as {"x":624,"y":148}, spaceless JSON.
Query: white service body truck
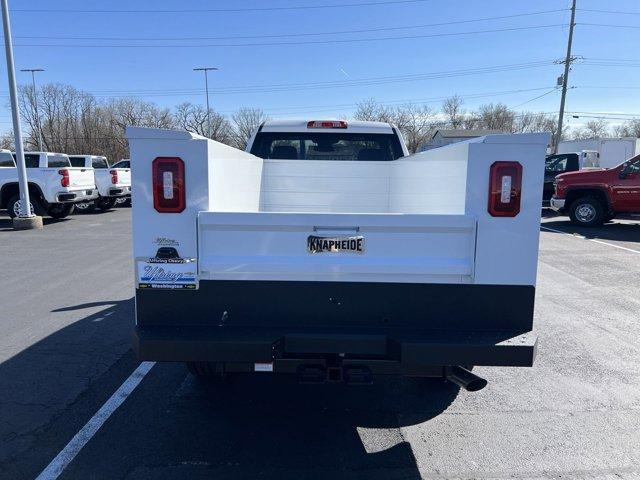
{"x":54,"y":186}
{"x":333,"y":255}
{"x":112,"y":183}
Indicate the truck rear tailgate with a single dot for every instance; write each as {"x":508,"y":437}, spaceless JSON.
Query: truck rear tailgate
{"x":392,"y":248}
{"x":81,"y":177}
{"x":124,"y":177}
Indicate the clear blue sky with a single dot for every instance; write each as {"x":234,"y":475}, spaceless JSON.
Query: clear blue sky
{"x":164,"y":75}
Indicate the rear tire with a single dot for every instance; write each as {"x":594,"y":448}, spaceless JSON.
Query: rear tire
{"x":85,"y":207}
{"x":13,"y":206}
{"x":60,"y":210}
{"x":105,"y":203}
{"x":587,"y":212}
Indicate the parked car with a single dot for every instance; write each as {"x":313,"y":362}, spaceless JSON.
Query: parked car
{"x":593,"y":197}
{"x":113,"y":183}
{"x":329,"y":253}
{"x":54,"y":186}
{"x":559,"y":163}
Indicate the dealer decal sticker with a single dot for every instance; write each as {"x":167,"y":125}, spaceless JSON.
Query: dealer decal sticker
{"x":170,"y":273}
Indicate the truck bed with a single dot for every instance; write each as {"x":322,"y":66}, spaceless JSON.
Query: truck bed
{"x":433,"y":279}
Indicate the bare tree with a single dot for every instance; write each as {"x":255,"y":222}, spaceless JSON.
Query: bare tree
{"x":592,"y":129}
{"x":415,"y":122}
{"x":630,"y":128}
{"x":492,"y":117}
{"x":193,"y":118}
{"x":6,"y":141}
{"x":244,"y":122}
{"x":452,"y":110}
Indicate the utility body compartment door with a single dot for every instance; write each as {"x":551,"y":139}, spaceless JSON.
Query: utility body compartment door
{"x":307,"y":247}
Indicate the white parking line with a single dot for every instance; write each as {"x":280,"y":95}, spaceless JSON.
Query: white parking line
{"x":576,"y":235}
{"x":68,"y":453}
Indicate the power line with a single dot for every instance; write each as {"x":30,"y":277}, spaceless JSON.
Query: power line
{"x":619,"y":12}
{"x":223,"y":10}
{"x":287,"y":87}
{"x":608,"y":25}
{"x":306,"y":42}
{"x":534,"y":98}
{"x":384,"y":80}
{"x":285,"y":35}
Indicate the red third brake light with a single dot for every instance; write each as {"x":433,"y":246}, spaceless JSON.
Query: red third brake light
{"x":64,"y":181}
{"x":114,"y":176}
{"x":168,"y":185}
{"x":327,"y":124}
{"x":505,"y":189}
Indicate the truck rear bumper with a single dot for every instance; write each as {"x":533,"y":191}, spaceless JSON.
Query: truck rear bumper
{"x":76,"y":196}
{"x":119,"y":191}
{"x":405,"y":353}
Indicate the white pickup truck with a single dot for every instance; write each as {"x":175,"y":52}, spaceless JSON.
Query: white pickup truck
{"x":112,"y":183}
{"x":54,"y":186}
{"x":327,"y":252}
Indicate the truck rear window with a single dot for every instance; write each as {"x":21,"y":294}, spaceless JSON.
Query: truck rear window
{"x":327,"y":146}
{"x":6,"y":160}
{"x":77,"y":161}
{"x":56,"y":161}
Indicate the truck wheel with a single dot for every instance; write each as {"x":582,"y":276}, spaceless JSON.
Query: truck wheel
{"x":85,"y":207}
{"x":60,"y":210}
{"x":13,"y":206}
{"x":587,"y":212}
{"x":105,"y":203}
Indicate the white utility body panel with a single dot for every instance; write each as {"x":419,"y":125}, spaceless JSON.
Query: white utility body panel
{"x":424,"y":216}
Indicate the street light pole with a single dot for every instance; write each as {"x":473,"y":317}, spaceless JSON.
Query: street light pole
{"x":206,"y":86}
{"x":25,"y":219}
{"x":35,"y":100}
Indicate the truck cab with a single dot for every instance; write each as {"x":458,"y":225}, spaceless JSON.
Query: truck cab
{"x":327,"y":252}
{"x":335,"y":140}
{"x":591,"y":197}
{"x":557,"y":164}
{"x":112,"y":183}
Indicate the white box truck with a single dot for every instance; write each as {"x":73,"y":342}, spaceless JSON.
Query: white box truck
{"x":612,"y":151}
{"x":328,"y":253}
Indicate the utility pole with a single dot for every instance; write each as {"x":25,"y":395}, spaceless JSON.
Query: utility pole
{"x":206,"y":86}
{"x":35,"y":99}
{"x":565,"y":78}
{"x":25,"y":220}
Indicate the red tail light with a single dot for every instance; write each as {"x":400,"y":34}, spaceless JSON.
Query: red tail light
{"x":327,"y":124}
{"x":168,"y":185}
{"x":64,"y":181}
{"x":114,"y":176}
{"x":505,"y":189}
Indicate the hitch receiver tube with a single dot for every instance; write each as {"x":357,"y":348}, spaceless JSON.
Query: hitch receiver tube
{"x":465,"y":379}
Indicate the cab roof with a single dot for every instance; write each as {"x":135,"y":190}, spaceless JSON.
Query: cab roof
{"x":353,"y":126}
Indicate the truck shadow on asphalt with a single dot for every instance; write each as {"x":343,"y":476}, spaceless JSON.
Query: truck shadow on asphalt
{"x":265,"y":426}
{"x":614,"y":230}
{"x":52,"y":387}
{"x":269,"y":426}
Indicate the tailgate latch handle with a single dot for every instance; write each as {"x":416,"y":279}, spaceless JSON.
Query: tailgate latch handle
{"x":167,"y":253}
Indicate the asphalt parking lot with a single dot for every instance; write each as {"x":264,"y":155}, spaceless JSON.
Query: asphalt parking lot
{"x":67,"y":312}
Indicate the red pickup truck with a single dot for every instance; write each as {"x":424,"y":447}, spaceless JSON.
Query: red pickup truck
{"x":591,"y":197}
